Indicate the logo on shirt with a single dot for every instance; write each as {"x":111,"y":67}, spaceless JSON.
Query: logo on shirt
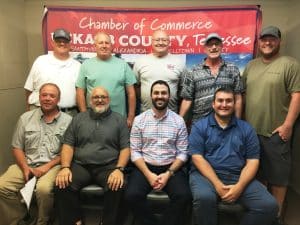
{"x":170,"y":66}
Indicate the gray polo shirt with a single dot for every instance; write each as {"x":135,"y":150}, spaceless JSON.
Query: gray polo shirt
{"x":39,"y":140}
{"x":97,"y":139}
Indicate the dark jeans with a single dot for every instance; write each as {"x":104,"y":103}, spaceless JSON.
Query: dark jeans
{"x":177,"y":189}
{"x":261,"y":207}
{"x":67,"y":201}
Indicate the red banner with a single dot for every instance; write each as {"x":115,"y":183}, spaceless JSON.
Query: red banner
{"x":131,"y":29}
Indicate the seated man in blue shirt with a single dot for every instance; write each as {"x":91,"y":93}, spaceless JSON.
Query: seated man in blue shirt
{"x":225,"y":157}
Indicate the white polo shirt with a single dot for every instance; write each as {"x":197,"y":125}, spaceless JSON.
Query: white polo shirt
{"x":49,"y":69}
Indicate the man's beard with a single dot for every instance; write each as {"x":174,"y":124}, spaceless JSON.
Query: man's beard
{"x":100,"y":110}
{"x":160,"y":107}
{"x":272,"y":54}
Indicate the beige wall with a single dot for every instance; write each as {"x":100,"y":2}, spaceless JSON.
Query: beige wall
{"x":21,"y":43}
{"x":13,"y":68}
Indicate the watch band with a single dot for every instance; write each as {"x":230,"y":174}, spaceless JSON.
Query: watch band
{"x":121,"y":168}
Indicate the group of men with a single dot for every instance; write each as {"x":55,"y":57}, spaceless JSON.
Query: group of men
{"x":97,"y":144}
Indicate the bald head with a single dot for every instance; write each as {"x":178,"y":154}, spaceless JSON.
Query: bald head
{"x":160,"y":43}
{"x":99,"y":100}
{"x":99,"y":91}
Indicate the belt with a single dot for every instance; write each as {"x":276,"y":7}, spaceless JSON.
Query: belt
{"x":69,"y":109}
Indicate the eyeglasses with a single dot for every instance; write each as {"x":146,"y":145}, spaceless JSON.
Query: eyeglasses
{"x":164,"y":40}
{"x":99,"y":97}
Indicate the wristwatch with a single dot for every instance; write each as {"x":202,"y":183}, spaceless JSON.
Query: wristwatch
{"x":121,"y":168}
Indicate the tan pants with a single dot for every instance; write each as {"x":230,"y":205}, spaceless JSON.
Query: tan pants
{"x":11,"y":208}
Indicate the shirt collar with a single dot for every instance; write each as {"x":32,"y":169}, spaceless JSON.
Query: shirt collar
{"x":154,"y":115}
{"x":41,"y":114}
{"x":203,"y":65}
{"x":212,"y":121}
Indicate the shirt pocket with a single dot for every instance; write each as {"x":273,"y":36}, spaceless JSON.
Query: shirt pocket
{"x":56,"y":140}
{"x":32,"y":139}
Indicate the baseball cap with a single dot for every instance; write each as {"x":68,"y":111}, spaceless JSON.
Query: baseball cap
{"x":61,"y":33}
{"x":270,"y":30}
{"x":212,"y":36}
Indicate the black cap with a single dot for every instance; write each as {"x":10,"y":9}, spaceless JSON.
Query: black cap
{"x":62,"y":33}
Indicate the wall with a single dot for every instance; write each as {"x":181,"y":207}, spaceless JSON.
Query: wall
{"x":21,"y":43}
{"x":13,"y":69}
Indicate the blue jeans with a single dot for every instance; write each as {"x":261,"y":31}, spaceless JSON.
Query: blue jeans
{"x":261,"y":207}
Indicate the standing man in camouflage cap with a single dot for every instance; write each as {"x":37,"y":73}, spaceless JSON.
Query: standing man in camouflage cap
{"x":272,"y":107}
{"x":201,"y":82}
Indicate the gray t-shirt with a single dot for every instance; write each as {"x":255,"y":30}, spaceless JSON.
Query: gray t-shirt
{"x":97,"y":139}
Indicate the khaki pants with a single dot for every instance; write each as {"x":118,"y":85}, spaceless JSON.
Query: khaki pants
{"x":11,"y":208}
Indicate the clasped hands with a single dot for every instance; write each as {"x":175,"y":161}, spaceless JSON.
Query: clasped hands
{"x":158,"y":182}
{"x":229,"y":193}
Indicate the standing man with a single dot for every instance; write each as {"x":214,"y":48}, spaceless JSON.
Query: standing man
{"x":36,"y":146}
{"x":201,"y":82}
{"x":159,"y":149}
{"x":272,"y":106}
{"x":110,"y":72}
{"x":59,"y":68}
{"x":159,"y":65}
{"x":225,"y":157}
{"x":95,"y":150}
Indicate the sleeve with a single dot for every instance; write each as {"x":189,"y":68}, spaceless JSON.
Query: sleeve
{"x":136,"y":141}
{"x":187,"y":91}
{"x":69,"y":137}
{"x":238,"y":83}
{"x":124,"y":134}
{"x":81,"y":79}
{"x":244,"y":77}
{"x":129,"y":75}
{"x":182,"y":142}
{"x":197,"y":139}
{"x":252,"y":144}
{"x":136,"y":71}
{"x":18,"y":140}
{"x":293,"y":77}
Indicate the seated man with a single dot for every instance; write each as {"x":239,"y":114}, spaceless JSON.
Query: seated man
{"x":158,"y":149}
{"x":95,"y":150}
{"x":225,"y":159}
{"x":36,"y":145}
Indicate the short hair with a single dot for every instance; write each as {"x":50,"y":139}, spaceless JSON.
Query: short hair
{"x":162,"y":82}
{"x":104,"y":34}
{"x":50,"y":84}
{"x":223,"y":89}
